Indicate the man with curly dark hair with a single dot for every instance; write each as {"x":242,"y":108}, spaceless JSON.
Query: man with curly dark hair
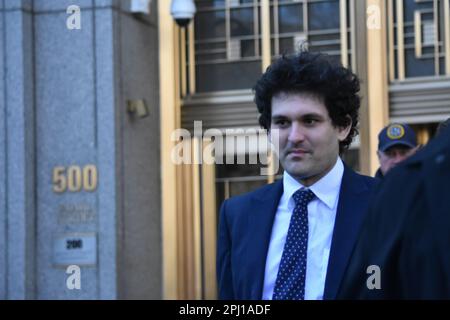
{"x":292,"y":239}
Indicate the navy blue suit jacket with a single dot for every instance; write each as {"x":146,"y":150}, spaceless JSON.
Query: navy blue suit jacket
{"x":245,"y":229}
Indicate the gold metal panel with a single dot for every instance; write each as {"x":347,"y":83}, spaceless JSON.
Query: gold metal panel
{"x":192,"y":85}
{"x":365,"y":151}
{"x":227,"y":27}
{"x":183,"y":62}
{"x":168,"y":123}
{"x":186,"y":233}
{"x":265,"y":34}
{"x":447,"y":36}
{"x":271,"y":175}
{"x":390,"y":13}
{"x":353,"y":34}
{"x":400,"y":41}
{"x":209,"y":226}
{"x":377,"y":86}
{"x":423,"y":135}
{"x":305,"y":16}
{"x":418,"y":33}
{"x":177,"y":229}
{"x":256,"y":27}
{"x":344,"y":34}
{"x":436,"y":36}
{"x":276,"y":24}
{"x":177,"y":73}
{"x":196,"y":221}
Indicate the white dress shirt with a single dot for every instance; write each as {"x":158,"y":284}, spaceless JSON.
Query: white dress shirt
{"x":321,"y":218}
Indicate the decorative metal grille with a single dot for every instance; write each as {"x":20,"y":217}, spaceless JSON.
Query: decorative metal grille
{"x":419,"y":39}
{"x":227,"y":50}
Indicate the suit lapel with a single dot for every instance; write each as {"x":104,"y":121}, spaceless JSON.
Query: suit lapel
{"x":353,"y":199}
{"x":264,"y":208}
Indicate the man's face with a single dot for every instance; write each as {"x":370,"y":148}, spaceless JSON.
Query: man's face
{"x":393,"y":156}
{"x":308,"y":141}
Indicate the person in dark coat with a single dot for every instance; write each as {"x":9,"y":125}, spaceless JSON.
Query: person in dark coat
{"x":403,"y":250}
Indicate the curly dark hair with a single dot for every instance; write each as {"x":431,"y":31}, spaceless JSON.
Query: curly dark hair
{"x":316,"y":74}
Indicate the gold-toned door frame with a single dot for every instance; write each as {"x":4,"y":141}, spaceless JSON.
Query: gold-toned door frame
{"x":188,"y":273}
{"x":169,"y":121}
{"x":375,"y":112}
{"x":196,"y":225}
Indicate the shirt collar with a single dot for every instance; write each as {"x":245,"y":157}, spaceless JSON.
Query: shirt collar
{"x":326,"y":189}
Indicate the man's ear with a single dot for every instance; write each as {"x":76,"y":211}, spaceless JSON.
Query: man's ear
{"x":344,"y":131}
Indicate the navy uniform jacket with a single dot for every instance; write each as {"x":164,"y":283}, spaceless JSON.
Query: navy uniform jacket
{"x":407,"y":231}
{"x":245,"y":229}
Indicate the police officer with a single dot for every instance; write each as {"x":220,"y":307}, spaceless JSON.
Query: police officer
{"x":403,"y":248}
{"x":396,"y":142}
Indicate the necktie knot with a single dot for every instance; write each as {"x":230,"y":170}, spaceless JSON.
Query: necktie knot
{"x":303,"y":197}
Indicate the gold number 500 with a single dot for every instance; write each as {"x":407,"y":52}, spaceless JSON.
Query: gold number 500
{"x":75,"y":179}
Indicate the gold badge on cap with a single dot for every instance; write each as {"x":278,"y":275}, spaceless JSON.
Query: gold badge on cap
{"x":395,"y":131}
